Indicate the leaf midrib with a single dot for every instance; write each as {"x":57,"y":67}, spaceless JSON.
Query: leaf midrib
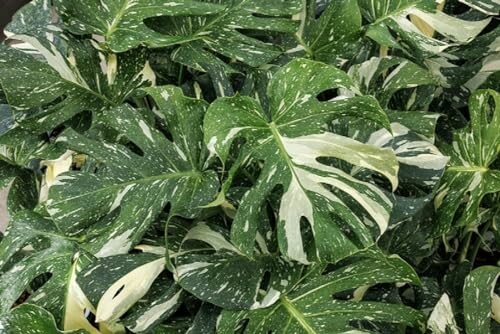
{"x":297,"y":315}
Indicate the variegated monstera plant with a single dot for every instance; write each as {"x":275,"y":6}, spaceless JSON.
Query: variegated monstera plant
{"x":251,"y":166}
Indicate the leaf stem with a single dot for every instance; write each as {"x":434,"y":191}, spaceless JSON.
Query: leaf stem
{"x":477,"y":243}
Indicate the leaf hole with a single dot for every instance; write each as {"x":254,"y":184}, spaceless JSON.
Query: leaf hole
{"x":134,"y":148}
{"x":118,"y":291}
{"x":265,"y":281}
{"x":90,"y":317}
{"x":328,"y":95}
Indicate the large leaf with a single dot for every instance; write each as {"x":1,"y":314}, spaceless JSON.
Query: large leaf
{"x":469,"y":175}
{"x":312,"y":305}
{"x":211,"y":25}
{"x":133,"y":189}
{"x":478,"y":295}
{"x":391,"y":25}
{"x":289,"y":141}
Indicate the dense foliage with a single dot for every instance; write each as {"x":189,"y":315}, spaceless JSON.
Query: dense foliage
{"x":251,"y":166}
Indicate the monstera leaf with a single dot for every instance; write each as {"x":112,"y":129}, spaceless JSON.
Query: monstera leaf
{"x":393,"y":24}
{"x":314,"y":305}
{"x":27,"y":228}
{"x":31,"y":319}
{"x":222,"y":275}
{"x":383,"y":77}
{"x":289,"y":141}
{"x":212,"y":25}
{"x":134,"y":187}
{"x":333,"y":36}
{"x":71,"y":77}
{"x":470,"y":175}
{"x":131,"y":283}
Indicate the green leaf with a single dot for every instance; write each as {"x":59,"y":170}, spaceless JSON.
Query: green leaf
{"x":334,"y":33}
{"x":161,"y":301}
{"x":31,"y":319}
{"x":226,"y":277}
{"x":473,"y":150}
{"x":478,"y":294}
{"x":48,"y":92}
{"x":490,"y":7}
{"x":309,"y":307}
{"x":420,"y":162}
{"x":387,"y":17}
{"x":133,"y":187}
{"x":113,"y":284}
{"x":383,"y":77}
{"x":211,"y":25}
{"x":55,"y":257}
{"x":290,"y":141}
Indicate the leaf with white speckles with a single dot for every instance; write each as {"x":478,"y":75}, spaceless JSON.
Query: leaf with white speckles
{"x":309,"y":307}
{"x":332,"y":37}
{"x":225,"y":277}
{"x":31,"y":319}
{"x":126,"y":24}
{"x":66,"y":81}
{"x":133,"y":188}
{"x":289,"y":143}
{"x":383,"y":77}
{"x":400,"y":17}
{"x":56,"y":257}
{"x":113,"y":284}
{"x":478,"y":294}
{"x":470,"y":173}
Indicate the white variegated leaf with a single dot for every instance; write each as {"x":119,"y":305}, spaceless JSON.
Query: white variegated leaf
{"x":290,"y":142}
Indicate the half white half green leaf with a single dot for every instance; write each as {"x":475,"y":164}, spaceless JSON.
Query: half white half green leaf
{"x":391,"y":25}
{"x":113,"y":284}
{"x":289,"y":141}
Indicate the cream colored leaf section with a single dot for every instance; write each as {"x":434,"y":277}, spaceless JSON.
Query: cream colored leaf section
{"x":495,"y":308}
{"x":311,"y":176}
{"x":128,"y":290}
{"x":54,"y":169}
{"x":454,"y":28}
{"x":306,"y":149}
{"x":148,"y":318}
{"x":442,"y":317}
{"x":77,"y":305}
{"x":203,"y":232}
